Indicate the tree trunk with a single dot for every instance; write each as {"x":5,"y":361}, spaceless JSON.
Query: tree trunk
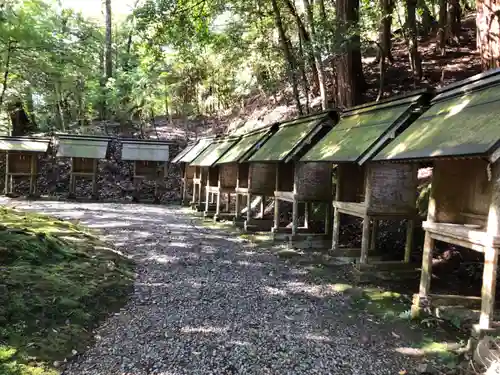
{"x":302,"y":67}
{"x":109,"y":47}
{"x":21,"y":124}
{"x":385,"y":40}
{"x":350,"y":80}
{"x":428,"y":20}
{"x":307,"y":44}
{"x":488,"y":32}
{"x":442,"y":27}
{"x":454,"y":20}
{"x":285,"y":46}
{"x":411,"y":22}
{"x":5,"y":82}
{"x":317,"y":53}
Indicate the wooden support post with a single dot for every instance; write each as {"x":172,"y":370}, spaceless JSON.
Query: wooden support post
{"x":307,"y":214}
{"x":262,"y":206}
{"x":184,"y":184}
{"x":374,"y":234}
{"x":6,"y":187}
{"x":410,"y":230}
{"x":95,"y":193}
{"x":295,"y":216}
{"x":249,"y":206}
{"x":228,"y":204}
{"x":33,"y":174}
{"x":207,"y":201}
{"x":426,"y":273}
{"x":365,"y":240}
{"x":491,"y":253}
{"x":336,"y":213}
{"x":237,"y":206}
{"x":328,"y":215}
{"x":217,"y":210}
{"x":72,"y":179}
{"x":277,"y":213}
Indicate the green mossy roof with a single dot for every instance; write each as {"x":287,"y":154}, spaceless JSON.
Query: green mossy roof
{"x":196,"y":150}
{"x":213,"y":153}
{"x":357,"y":132}
{"x":290,"y":134}
{"x":184,"y":151}
{"x":241,"y":148}
{"x":468,"y":124}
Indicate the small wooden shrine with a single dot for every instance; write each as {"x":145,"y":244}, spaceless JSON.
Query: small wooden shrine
{"x":252,"y":179}
{"x":150,"y":158}
{"x":299,"y":183}
{"x":192,"y":176}
{"x":85,"y":153}
{"x":21,"y":160}
{"x":460,"y":134}
{"x":220,"y":179}
{"x":371,"y":191}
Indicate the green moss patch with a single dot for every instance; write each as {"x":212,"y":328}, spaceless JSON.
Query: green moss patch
{"x":58,"y":281}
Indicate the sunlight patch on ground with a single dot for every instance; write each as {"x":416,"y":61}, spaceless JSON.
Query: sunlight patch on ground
{"x":218,"y":330}
{"x":163,"y":259}
{"x":274,"y":291}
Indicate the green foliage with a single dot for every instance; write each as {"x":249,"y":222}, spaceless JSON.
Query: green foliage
{"x":58,"y":281}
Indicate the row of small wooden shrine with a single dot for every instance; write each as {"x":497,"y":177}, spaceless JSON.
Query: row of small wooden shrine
{"x":149,"y":158}
{"x":374,"y":152}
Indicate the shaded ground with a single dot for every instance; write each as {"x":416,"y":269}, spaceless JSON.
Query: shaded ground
{"x":57,"y":282}
{"x":206,"y":301}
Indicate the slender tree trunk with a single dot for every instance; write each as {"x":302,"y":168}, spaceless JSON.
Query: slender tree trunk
{"x":307,"y":45}
{"x":442,"y":27}
{"x":350,"y":80}
{"x":411,"y":22}
{"x":109,"y":47}
{"x":302,"y":66}
{"x":488,"y":32}
{"x":454,"y":20}
{"x":428,"y":20}
{"x":317,"y":53}
{"x":285,"y":45}
{"x":5,"y":82}
{"x":385,"y":40}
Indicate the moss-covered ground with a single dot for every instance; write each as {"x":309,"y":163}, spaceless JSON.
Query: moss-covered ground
{"x":58,"y":280}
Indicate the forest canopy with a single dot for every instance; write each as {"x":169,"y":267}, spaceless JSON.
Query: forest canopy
{"x":62,"y":69}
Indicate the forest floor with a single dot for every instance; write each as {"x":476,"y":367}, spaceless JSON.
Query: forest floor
{"x":208,"y":301}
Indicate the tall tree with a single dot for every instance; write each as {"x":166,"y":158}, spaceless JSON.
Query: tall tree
{"x":317,"y":53}
{"x":385,"y":37}
{"x":289,"y":58}
{"x":411,"y":22}
{"x":488,"y":32}
{"x":109,"y":41}
{"x":350,"y":79}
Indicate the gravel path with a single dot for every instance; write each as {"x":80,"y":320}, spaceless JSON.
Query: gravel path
{"x":207,"y":303}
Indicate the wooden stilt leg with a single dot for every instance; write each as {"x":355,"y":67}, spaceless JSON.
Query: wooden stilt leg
{"x":217,"y":209}
{"x":374,"y":234}
{"x":328,"y":216}
{"x":95,"y":193}
{"x":237,"y":206}
{"x":295,"y":217}
{"x":228,"y":204}
{"x":489,"y":287}
{"x":307,"y":214}
{"x":365,"y":240}
{"x":6,"y":187}
{"x":425,"y":276}
{"x":207,"y":200}
{"x":33,"y":173}
{"x":262,"y":206}
{"x":336,"y":229}
{"x":410,"y":229}
{"x":249,"y":207}
{"x":277,"y":213}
